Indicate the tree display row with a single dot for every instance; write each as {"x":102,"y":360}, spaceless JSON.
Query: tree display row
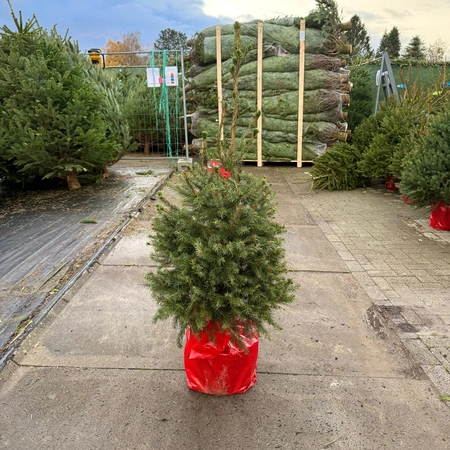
{"x":59,"y":116}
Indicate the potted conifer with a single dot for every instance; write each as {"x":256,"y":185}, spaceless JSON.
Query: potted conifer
{"x":426,"y":172}
{"x":221,"y":261}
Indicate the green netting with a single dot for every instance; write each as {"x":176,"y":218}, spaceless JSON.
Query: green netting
{"x":426,"y":76}
{"x":288,"y":37}
{"x":282,"y":80}
{"x":282,"y":151}
{"x":322,"y":131}
{"x":286,"y":103}
{"x":324,"y":82}
{"x":204,"y":75}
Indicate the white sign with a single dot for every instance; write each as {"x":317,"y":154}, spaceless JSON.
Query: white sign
{"x":171,"y":76}
{"x":153,"y":77}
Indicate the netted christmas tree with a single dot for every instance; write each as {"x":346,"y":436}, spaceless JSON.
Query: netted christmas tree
{"x":220,"y":252}
{"x":326,"y":83}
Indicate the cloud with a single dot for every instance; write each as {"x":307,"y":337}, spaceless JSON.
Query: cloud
{"x":93,"y":22}
{"x":396,"y":15}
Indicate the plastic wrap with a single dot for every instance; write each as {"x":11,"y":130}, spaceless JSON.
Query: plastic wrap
{"x":440,"y":216}
{"x":391,"y":183}
{"x":220,"y":367}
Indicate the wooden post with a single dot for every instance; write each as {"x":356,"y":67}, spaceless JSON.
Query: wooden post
{"x":219,"y":76}
{"x":259,"y":94}
{"x":301,"y":89}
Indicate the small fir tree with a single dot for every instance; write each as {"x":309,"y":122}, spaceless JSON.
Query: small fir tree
{"x":220,"y":252}
{"x":426,"y":171}
{"x":415,"y":49}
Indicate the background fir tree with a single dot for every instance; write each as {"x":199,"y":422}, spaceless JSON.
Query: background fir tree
{"x":51,"y":114}
{"x":169,"y":39}
{"x":390,"y":42}
{"x":415,"y":49}
{"x":360,"y":41}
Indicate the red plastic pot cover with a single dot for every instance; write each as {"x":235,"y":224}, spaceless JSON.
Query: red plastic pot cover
{"x":390,"y":184}
{"x":220,"y":368}
{"x":408,"y":200}
{"x":440,"y":217}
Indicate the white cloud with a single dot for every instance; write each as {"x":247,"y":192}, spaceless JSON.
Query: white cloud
{"x":411,"y":17}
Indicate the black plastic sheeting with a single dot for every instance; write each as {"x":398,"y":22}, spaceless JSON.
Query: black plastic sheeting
{"x":41,"y":236}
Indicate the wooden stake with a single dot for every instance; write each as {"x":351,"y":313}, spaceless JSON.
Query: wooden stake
{"x":219,"y":76}
{"x":301,"y":89}
{"x":259,"y":94}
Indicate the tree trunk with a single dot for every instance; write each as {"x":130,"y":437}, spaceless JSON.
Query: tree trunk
{"x":72,"y":181}
{"x":147,"y":148}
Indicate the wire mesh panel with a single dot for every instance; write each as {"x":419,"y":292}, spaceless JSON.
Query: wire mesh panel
{"x":153,"y":85}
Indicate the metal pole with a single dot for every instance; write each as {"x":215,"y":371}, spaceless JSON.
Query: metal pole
{"x":184,"y":104}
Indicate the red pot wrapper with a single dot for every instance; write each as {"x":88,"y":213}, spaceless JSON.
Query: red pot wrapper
{"x":390,"y":184}
{"x":440,"y":216}
{"x":220,"y":367}
{"x":408,"y":200}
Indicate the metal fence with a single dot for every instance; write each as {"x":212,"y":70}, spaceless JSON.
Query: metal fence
{"x":155,"y":101}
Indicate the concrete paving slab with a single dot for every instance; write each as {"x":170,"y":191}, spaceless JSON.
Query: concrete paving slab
{"x":108,"y":323}
{"x":308,"y":249}
{"x":131,"y":249}
{"x":327,"y":331}
{"x":72,"y":409}
{"x":290,"y":211}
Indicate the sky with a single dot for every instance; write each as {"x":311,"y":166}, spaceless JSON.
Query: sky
{"x":93,"y":22}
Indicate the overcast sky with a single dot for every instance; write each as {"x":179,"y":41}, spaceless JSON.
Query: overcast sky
{"x":93,"y":22}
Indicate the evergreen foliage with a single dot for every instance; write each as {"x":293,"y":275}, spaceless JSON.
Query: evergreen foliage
{"x":359,"y":39}
{"x":386,"y":140}
{"x":51,"y":114}
{"x":426,"y":173}
{"x":153,"y":123}
{"x":337,"y":169}
{"x":361,"y":105}
{"x":220,"y":252}
{"x":393,"y":126}
{"x":415,"y":49}
{"x":324,"y":16}
{"x":391,"y":43}
{"x":169,"y":39}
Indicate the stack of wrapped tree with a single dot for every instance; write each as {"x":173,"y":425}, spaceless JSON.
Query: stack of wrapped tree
{"x":325,"y":87}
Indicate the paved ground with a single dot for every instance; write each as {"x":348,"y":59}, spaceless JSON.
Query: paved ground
{"x":43,"y":241}
{"x":361,"y":362}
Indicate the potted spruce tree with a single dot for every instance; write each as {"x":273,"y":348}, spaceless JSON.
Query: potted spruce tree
{"x":426,"y":172}
{"x":221,"y":261}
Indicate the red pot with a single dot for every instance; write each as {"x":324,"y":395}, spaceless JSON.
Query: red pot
{"x":220,"y":367}
{"x":390,"y":183}
{"x":440,"y":216}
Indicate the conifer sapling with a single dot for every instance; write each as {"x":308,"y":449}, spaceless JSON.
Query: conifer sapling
{"x":220,"y":251}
